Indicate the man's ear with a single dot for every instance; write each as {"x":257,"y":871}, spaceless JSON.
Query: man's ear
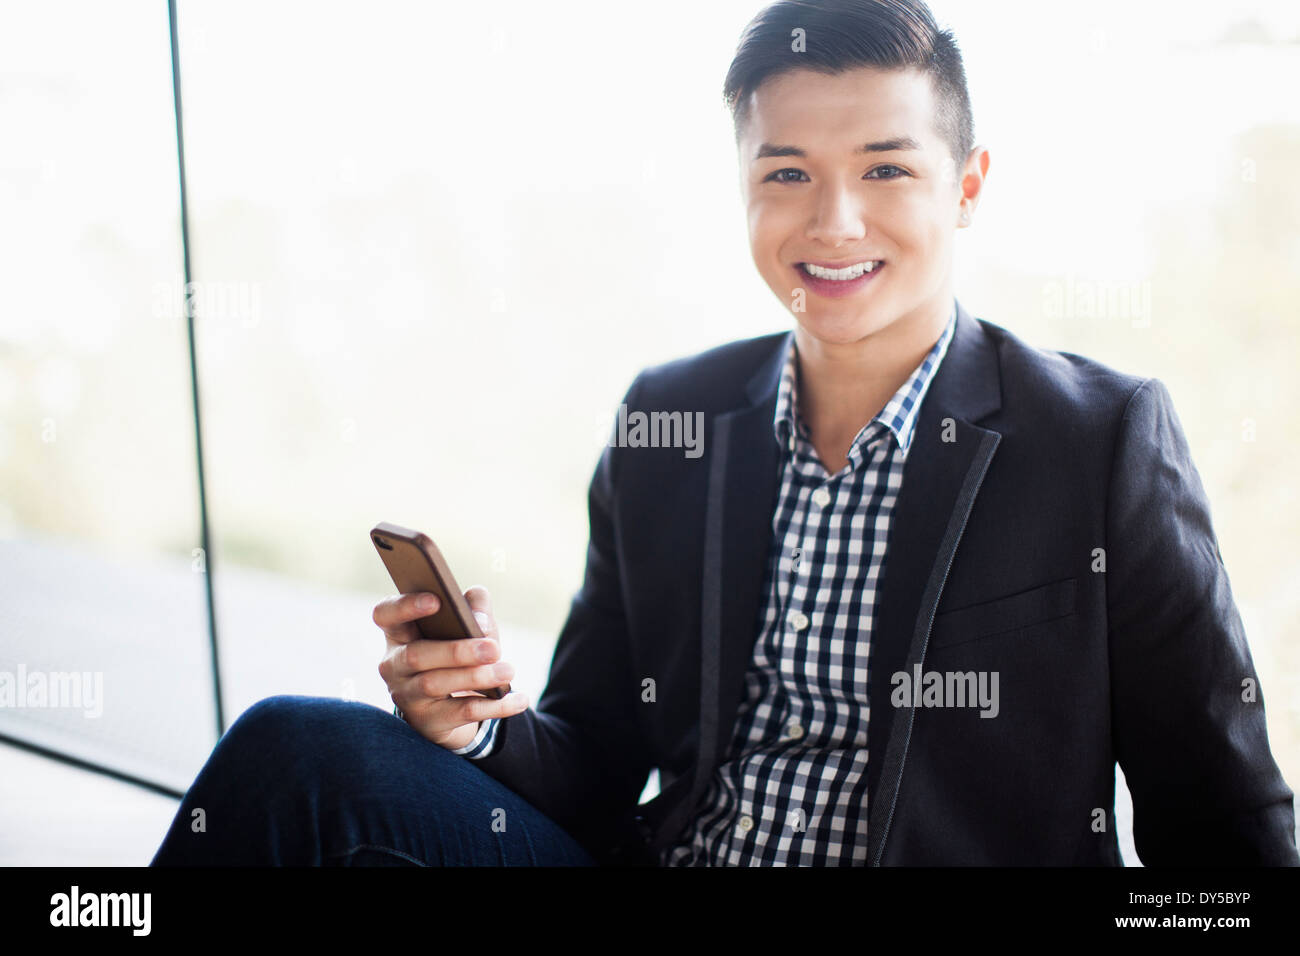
{"x":973,"y":176}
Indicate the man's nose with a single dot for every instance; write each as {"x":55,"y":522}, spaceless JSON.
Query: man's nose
{"x":837,"y":216}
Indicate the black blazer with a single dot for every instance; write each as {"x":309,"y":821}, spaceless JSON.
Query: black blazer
{"x":1028,"y":469}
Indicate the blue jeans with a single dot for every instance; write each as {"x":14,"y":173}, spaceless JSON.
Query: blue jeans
{"x":319,"y":781}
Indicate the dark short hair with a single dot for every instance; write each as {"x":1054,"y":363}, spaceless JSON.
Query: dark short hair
{"x":842,"y":35}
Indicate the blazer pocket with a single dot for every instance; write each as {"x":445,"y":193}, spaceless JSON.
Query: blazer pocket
{"x":1037,"y":605}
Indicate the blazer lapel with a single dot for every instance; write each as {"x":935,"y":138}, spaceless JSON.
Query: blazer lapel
{"x":741,"y":493}
{"x":743,"y":485}
{"x":941,"y":480}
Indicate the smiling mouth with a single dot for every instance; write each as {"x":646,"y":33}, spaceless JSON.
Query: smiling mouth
{"x":843,"y":274}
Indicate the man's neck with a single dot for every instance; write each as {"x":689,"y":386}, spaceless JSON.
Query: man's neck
{"x":844,"y":386}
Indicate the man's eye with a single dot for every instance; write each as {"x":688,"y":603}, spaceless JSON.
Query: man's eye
{"x":775,"y":177}
{"x":901,"y":172}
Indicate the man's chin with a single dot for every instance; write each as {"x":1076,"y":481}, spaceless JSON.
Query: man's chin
{"x":839,"y":331}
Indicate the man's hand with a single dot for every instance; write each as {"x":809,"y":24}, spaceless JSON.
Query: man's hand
{"x":434,"y":682}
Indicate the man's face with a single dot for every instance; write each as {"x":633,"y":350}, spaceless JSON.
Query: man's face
{"x":825,"y":199}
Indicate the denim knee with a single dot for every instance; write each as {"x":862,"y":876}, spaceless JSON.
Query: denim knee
{"x":292,"y":716}
{"x":342,"y":742}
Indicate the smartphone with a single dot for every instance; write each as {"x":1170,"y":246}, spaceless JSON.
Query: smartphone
{"x":415,"y":564}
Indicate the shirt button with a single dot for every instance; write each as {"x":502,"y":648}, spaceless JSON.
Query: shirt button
{"x":798,"y":620}
{"x":821,"y":497}
{"x":746,"y":822}
{"x":794,"y":730}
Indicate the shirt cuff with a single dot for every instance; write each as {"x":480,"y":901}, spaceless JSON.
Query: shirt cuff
{"x":481,"y":745}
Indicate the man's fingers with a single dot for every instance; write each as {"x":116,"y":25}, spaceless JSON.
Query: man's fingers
{"x":397,"y":610}
{"x":423,"y":654}
{"x":441,"y":682}
{"x":456,"y":711}
{"x":447,"y":713}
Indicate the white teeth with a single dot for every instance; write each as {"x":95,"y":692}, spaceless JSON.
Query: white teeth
{"x":851,"y":272}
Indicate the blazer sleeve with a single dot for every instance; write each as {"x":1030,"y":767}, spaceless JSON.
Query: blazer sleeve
{"x":579,"y":756}
{"x":1187,"y":710}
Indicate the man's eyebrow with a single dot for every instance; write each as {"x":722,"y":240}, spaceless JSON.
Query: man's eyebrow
{"x":880,"y":146}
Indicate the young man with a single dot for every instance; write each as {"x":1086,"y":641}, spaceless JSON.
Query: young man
{"x":924,"y":587}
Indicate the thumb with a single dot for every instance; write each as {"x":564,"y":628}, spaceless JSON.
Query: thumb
{"x":480,"y":603}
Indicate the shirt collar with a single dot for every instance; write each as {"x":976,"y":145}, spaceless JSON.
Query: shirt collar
{"x":899,"y":414}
